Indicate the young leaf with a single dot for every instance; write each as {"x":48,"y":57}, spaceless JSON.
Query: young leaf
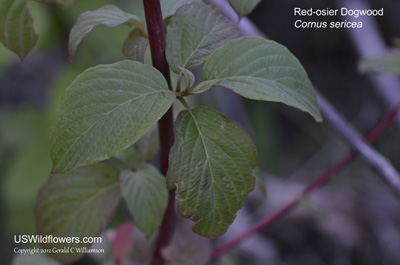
{"x":77,"y":205}
{"x":146,"y":196}
{"x":260,"y":69}
{"x":194,"y":33}
{"x":104,"y":111}
{"x":109,"y":16}
{"x":243,"y":8}
{"x":189,"y":77}
{"x":63,"y":3}
{"x":135,"y":46}
{"x":169,"y":7}
{"x":211,"y":166}
{"x":16,"y":27}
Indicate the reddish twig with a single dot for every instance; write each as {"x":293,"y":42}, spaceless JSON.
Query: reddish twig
{"x":307,"y":191}
{"x":155,"y":27}
{"x":371,"y":157}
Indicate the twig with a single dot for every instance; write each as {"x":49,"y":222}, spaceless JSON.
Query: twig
{"x":157,"y":42}
{"x":373,"y":158}
{"x":307,"y":191}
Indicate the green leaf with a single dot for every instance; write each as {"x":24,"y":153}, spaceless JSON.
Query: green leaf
{"x":243,"y":8}
{"x":205,"y":29}
{"x":104,"y":111}
{"x":388,"y":63}
{"x":109,"y":16}
{"x":147,"y":147}
{"x":146,"y":196}
{"x":169,"y":7}
{"x":63,"y":3}
{"x":142,"y":151}
{"x":16,"y":27}
{"x":211,"y":166}
{"x":135,"y":45}
{"x":77,"y":205}
{"x":260,"y":69}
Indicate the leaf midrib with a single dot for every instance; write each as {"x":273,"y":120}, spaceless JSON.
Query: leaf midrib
{"x":202,"y":40}
{"x":215,"y":83}
{"x":207,"y":161}
{"x":89,"y":200}
{"x":102,"y":117}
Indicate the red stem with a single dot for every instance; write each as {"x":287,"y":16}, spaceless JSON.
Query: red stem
{"x":155,"y":27}
{"x":379,"y":129}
